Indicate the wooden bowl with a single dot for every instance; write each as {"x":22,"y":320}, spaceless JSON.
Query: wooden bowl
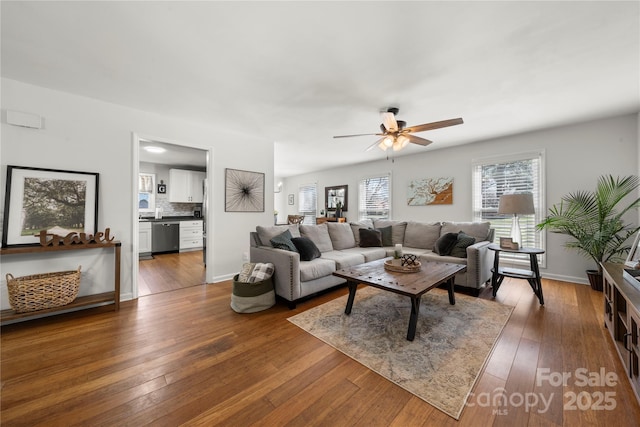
{"x":396,"y":266}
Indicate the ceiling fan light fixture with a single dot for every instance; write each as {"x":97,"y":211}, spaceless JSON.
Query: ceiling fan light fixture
{"x":383,"y":146}
{"x":388,"y":142}
{"x":403,"y":141}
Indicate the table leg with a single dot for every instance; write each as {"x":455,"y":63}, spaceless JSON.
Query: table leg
{"x":353,"y":287}
{"x":452,"y":295}
{"x":413,"y":320}
{"x":536,"y":279}
{"x":495,"y":283}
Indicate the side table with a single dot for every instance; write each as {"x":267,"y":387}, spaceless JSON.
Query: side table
{"x":532,"y":276}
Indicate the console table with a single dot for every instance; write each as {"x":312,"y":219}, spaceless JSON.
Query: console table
{"x":323,"y":219}
{"x":88,"y":301}
{"x":532,"y":276}
{"x":622,"y":319}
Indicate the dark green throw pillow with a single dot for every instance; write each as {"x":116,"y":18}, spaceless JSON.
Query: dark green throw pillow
{"x":283,"y":241}
{"x":385,"y":233}
{"x":370,"y":238}
{"x":463,"y":242}
{"x":308,"y":250}
{"x":445,"y":243}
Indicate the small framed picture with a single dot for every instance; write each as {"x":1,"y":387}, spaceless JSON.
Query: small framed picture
{"x":508,"y":243}
{"x":290,"y":199}
{"x":162,"y":188}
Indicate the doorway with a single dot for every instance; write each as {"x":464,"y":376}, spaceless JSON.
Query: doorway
{"x":171,"y":192}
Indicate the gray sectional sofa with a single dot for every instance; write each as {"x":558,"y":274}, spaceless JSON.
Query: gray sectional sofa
{"x":339,"y":245}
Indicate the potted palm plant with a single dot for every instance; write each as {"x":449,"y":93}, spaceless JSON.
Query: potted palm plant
{"x":594,"y":220}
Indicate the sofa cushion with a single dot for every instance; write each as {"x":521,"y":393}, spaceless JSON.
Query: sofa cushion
{"x":398,"y":229}
{"x":385,"y":235}
{"x":344,"y":259}
{"x":370,"y":254}
{"x":370,"y":238}
{"x":283,"y":241}
{"x":421,"y":234}
{"x":308,"y":250}
{"x":479,"y":230}
{"x":341,"y":235}
{"x":267,"y":233}
{"x":460,"y":248}
{"x":445,"y":243}
{"x":319,"y":234}
{"x":315,"y":269}
{"x":355,"y":226}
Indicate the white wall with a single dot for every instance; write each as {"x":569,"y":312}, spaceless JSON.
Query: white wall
{"x":84,"y":134}
{"x":575,"y":156}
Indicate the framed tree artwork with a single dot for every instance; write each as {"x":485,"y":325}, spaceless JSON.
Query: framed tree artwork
{"x":58,"y":201}
{"x":244,"y":191}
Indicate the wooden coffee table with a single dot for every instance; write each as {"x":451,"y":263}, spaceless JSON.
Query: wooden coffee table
{"x":413,"y":285}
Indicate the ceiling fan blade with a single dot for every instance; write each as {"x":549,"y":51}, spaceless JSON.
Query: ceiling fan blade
{"x":359,"y":134}
{"x":369,"y":148}
{"x":389,"y":121}
{"x":434,"y":125}
{"x":418,"y":140}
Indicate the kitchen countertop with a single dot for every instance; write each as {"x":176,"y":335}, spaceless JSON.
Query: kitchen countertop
{"x":171,"y":218}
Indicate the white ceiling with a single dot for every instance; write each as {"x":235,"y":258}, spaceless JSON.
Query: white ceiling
{"x":295,"y":74}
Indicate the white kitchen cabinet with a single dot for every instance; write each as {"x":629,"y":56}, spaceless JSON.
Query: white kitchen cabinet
{"x":186,"y":186}
{"x":144,"y":237}
{"x":190,"y":235}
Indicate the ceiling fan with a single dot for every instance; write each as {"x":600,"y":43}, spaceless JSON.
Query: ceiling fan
{"x":395,"y":135}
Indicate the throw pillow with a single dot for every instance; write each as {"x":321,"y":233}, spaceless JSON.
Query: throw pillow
{"x":356,"y":226}
{"x":283,"y":241}
{"x":445,"y":243}
{"x":370,"y":238}
{"x":308,"y":250}
{"x":460,"y":248}
{"x":385,"y":233}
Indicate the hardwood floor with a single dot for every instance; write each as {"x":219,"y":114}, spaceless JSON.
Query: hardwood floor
{"x":183,"y":357}
{"x":171,"y":271}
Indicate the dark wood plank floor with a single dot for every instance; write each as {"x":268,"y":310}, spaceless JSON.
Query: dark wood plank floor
{"x":183,"y":357}
{"x":171,"y":271}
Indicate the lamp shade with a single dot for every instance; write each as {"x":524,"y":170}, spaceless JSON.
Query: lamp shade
{"x":521,"y":204}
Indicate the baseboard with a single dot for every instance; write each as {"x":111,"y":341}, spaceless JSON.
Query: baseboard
{"x":572,"y":279}
{"x":223,"y":277}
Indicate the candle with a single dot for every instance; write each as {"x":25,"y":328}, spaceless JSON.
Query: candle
{"x":398,"y":251}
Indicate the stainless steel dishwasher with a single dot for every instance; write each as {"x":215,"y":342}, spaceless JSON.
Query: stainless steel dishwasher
{"x":165,"y":236}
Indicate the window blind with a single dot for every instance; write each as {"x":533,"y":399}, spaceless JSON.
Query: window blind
{"x":307,"y":205}
{"x":494,"y":177}
{"x":374,"y":198}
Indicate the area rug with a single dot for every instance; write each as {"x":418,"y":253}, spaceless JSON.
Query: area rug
{"x":442,"y":363}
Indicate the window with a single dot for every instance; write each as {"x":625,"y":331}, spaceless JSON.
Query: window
{"x":374,"y":197}
{"x":146,"y":193}
{"x":521,"y":173}
{"x":307,"y":202}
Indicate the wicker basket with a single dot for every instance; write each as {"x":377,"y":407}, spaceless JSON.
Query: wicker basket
{"x":42,"y":291}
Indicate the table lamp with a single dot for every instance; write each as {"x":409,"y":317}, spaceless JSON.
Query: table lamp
{"x":516,"y":204}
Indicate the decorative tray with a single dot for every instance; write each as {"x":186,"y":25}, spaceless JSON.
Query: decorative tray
{"x":396,"y":266}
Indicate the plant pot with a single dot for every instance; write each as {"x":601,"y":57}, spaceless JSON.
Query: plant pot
{"x":595,"y":280}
